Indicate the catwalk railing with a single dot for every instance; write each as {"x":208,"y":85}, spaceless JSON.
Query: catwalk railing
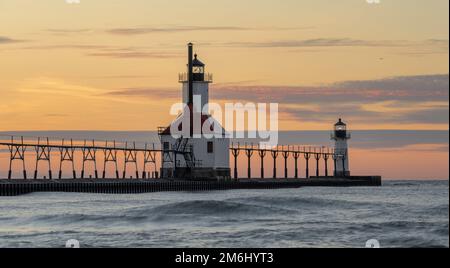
{"x":43,"y":148}
{"x":296,"y":152}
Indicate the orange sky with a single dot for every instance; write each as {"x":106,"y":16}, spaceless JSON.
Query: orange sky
{"x":113,"y":65}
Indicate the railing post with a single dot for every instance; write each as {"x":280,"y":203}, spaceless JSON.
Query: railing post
{"x":125,"y":161}
{"x":249,"y":153}
{"x":307,"y":157}
{"x":116,"y":165}
{"x":135,"y":160}
{"x":286,"y":156}
{"x":335,"y":157}
{"x":326,"y":156}
{"x":73,"y":159}
{"x":10,"y":162}
{"x":296,"y":157}
{"x":37,"y":158}
{"x":95,"y":159}
{"x":17,"y":152}
{"x":262,"y":154}
{"x":274,"y":156}
{"x":317,"y":157}
{"x":23,"y":159}
{"x":235,"y":152}
{"x":48,"y":160}
{"x":10,"y":148}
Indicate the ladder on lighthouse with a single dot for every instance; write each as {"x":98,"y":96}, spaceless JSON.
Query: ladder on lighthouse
{"x":187,"y":151}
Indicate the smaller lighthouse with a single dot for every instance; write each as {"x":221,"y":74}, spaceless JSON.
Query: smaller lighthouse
{"x":340,"y":136}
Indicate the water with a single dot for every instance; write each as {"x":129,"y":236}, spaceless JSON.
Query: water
{"x":399,"y":214}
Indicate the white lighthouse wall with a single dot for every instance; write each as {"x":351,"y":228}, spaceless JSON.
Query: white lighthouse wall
{"x":219,"y":158}
{"x":198,"y":88}
{"x":200,"y":153}
{"x":222,"y":159}
{"x":341,"y":147}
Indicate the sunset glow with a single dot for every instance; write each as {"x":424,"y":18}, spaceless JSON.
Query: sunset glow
{"x":113,"y":66}
{"x":70,"y":66}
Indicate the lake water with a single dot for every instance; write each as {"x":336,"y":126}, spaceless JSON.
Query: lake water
{"x":399,"y":214}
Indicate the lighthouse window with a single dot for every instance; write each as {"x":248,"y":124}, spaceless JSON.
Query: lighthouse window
{"x":210,"y":147}
{"x":197,"y":70}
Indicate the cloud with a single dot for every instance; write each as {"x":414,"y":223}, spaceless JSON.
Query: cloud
{"x":404,"y":88}
{"x":35,"y":88}
{"x":438,"y":115}
{"x":419,"y":86}
{"x":134,"y":54}
{"x":67,"y":46}
{"x":175,"y":29}
{"x":7,"y":40}
{"x":408,"y":99}
{"x":421,"y":99}
{"x":110,"y":51}
{"x":151,"y":93}
{"x":430,"y":46}
{"x":319,"y":42}
{"x":181,"y":29}
{"x":68,"y":31}
{"x":438,"y":42}
{"x":122,"y":76}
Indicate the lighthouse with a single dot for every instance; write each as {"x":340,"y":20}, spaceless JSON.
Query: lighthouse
{"x":193,"y":154}
{"x":340,"y":136}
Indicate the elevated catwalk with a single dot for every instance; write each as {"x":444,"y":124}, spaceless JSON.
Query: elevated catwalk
{"x":146,"y":156}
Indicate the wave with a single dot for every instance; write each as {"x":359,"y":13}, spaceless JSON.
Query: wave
{"x":438,"y":210}
{"x":178,"y":210}
{"x":80,"y":218}
{"x":306,"y":202}
{"x":207,"y":208}
{"x":397,"y":184}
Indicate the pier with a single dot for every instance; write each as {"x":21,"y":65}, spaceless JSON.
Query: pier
{"x":109,"y":186}
{"x":89,"y":151}
{"x":45,"y":151}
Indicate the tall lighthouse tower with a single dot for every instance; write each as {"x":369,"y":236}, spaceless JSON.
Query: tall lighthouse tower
{"x":195,"y":82}
{"x":340,"y":136}
{"x":195,"y":154}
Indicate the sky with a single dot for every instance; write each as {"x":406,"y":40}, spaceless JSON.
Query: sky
{"x":113,"y":65}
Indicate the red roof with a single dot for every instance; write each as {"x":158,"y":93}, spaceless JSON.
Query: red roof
{"x":204,"y":118}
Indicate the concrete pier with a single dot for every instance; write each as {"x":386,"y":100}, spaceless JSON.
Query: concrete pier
{"x":136,"y":186}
